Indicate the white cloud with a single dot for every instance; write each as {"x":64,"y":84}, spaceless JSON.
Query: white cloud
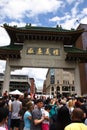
{"x":21,"y":8}
{"x":70,"y":1}
{"x":73,"y":1}
{"x":2,"y":66}
{"x":75,"y":10}
{"x":84,"y":11}
{"x":68,"y":19}
{"x":67,"y":22}
{"x":45,"y":6}
{"x":84,"y":20}
{"x":4,"y":38}
{"x":59,"y":19}
{"x":39,"y":74}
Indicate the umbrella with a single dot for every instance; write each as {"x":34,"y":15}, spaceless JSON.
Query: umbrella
{"x":16,"y":92}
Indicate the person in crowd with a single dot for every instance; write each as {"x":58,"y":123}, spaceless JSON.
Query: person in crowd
{"x":37,"y":117}
{"x":5,"y":94}
{"x":85,"y":121}
{"x":24,"y":101}
{"x":15,"y":117}
{"x":27,"y":116}
{"x":77,"y":124}
{"x":81,"y":104}
{"x":9,"y":107}
{"x":63,"y":119}
{"x":70,"y":106}
{"x":53,"y":110}
{"x":45,"y":114}
{"x":2,"y":102}
{"x":3,"y":118}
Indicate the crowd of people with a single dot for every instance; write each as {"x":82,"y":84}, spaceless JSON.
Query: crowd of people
{"x":57,"y":113}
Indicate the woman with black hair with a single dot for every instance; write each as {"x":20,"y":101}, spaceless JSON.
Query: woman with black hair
{"x":3,"y":118}
{"x":63,"y":119}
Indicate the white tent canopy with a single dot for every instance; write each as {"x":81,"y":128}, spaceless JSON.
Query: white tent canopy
{"x":16,"y":92}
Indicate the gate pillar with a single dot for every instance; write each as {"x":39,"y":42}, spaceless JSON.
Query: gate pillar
{"x":77,"y":80}
{"x":6,"y":77}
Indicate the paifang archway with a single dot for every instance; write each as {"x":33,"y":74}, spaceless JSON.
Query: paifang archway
{"x":42,"y":47}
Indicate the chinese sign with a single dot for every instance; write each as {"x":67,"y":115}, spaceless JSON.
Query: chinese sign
{"x":43,"y":51}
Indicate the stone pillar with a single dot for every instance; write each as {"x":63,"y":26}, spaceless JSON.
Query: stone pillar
{"x":55,"y":90}
{"x":77,"y":81}
{"x":60,"y":89}
{"x":6,"y":78}
{"x":50,"y":90}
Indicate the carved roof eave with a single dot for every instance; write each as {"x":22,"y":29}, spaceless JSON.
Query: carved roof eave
{"x":20,"y":35}
{"x":11,"y":52}
{"x":75,"y":54}
{"x":4,"y":54}
{"x":80,"y":57}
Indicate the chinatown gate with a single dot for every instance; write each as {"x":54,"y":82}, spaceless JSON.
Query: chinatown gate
{"x":42,"y":47}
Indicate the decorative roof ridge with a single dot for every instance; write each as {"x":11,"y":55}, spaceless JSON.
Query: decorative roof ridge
{"x":40,"y":28}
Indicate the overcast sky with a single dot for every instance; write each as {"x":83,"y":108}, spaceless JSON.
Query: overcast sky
{"x":67,"y":13}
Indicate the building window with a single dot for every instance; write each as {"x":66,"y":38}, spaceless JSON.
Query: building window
{"x":65,"y":82}
{"x":52,"y":93}
{"x":73,"y":88}
{"x":58,"y":81}
{"x":52,"y":89}
{"x":65,"y":88}
{"x":52,"y":79}
{"x":58,"y":88}
{"x":73,"y":81}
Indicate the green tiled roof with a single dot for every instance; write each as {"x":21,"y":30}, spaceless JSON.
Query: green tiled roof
{"x":74,"y":50}
{"x":11,"y":47}
{"x":44,"y":29}
{"x":20,"y":34}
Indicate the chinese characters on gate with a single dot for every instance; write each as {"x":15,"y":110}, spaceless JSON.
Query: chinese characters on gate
{"x":43,"y":51}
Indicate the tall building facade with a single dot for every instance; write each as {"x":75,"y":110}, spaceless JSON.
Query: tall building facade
{"x":32,"y":86}
{"x":20,"y":82}
{"x":59,"y":82}
{"x":82,"y":44}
